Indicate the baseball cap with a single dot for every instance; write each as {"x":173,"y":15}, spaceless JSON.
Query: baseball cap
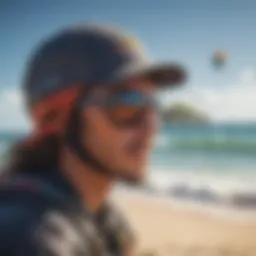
{"x":92,"y":55}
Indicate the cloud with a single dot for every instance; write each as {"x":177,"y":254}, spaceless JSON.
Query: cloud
{"x":12,"y":113}
{"x":234,"y":102}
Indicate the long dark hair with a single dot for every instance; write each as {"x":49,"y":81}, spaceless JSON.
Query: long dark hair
{"x":42,"y":157}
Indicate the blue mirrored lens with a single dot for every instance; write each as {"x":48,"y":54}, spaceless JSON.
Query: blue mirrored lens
{"x":132,"y":98}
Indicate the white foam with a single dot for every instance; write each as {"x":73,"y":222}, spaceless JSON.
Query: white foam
{"x":224,"y":184}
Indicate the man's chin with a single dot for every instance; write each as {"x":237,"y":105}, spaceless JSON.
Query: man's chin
{"x":133,"y":180}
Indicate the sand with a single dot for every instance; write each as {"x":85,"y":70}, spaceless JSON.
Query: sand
{"x":166,"y":230}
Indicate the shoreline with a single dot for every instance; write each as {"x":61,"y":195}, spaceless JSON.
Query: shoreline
{"x":162,"y":227}
{"x":218,"y":210}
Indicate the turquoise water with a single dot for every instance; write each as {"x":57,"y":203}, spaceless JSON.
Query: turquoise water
{"x":211,"y":146}
{"x":229,"y":146}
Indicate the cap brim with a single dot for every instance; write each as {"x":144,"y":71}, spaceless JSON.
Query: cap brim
{"x":162,"y":74}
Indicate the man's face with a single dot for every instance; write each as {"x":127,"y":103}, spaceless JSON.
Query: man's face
{"x":123,"y":149}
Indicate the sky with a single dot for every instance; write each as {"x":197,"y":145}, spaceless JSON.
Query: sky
{"x":187,"y":32}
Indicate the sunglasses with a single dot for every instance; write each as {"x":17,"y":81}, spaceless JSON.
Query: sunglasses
{"x":126,"y":108}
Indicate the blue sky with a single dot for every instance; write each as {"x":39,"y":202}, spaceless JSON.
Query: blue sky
{"x":184,"y":31}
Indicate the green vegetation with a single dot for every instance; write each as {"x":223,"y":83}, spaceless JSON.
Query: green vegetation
{"x":182,"y":113}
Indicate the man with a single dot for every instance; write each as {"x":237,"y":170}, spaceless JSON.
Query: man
{"x":91,"y":95}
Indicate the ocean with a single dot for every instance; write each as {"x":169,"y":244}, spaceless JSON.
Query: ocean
{"x":208,"y":164}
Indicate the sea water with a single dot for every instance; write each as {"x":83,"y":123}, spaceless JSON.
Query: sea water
{"x":209,"y":164}
{"x":213,"y":165}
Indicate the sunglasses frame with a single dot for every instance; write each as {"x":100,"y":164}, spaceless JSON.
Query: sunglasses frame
{"x":106,"y":100}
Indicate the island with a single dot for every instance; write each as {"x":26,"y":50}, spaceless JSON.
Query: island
{"x":183,"y":113}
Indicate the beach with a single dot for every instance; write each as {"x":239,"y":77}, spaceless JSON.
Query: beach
{"x":199,"y":198}
{"x":165,"y":230}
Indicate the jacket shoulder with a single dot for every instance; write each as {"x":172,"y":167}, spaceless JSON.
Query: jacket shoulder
{"x":117,"y":221}
{"x":25,"y":218}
